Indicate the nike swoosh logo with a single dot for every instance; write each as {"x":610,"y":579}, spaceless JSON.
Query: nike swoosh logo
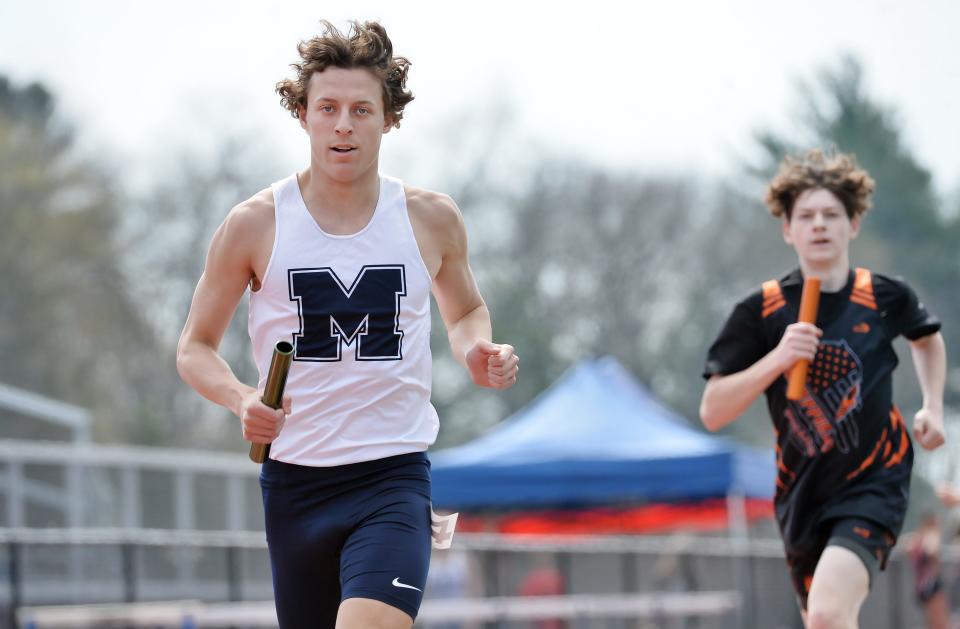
{"x":396,"y":583}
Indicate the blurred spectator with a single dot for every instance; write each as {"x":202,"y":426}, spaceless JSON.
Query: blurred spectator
{"x":545,"y":580}
{"x":923,"y":548}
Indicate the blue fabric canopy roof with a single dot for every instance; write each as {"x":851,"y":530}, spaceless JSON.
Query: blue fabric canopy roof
{"x":595,"y":437}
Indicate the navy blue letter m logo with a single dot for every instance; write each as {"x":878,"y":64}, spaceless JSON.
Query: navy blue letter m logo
{"x":365,"y":315}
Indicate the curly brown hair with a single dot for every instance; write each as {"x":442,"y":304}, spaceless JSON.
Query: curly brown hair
{"x":365,"y":46}
{"x":836,"y":172}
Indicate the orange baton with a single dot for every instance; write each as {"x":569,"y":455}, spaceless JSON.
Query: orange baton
{"x":809,"y":302}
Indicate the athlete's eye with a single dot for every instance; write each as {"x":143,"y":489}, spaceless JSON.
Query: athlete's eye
{"x":327,"y":109}
{"x":363,"y":111}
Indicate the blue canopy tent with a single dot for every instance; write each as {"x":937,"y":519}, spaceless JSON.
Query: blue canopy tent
{"x":596,"y":437}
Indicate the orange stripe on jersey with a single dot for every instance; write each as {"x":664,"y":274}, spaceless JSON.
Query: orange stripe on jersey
{"x":773,"y":308}
{"x":896,"y":420}
{"x":786,"y":470}
{"x":783,"y":472}
{"x":771,"y":290}
{"x":863,"y":289}
{"x":866,"y":303}
{"x":796,"y":429}
{"x":848,"y":403}
{"x":820,"y":422}
{"x":772,"y":297}
{"x":867,"y":462}
{"x":863,"y":281}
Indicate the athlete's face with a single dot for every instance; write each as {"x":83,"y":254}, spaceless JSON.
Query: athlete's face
{"x":819,"y":228}
{"x":344,"y":117}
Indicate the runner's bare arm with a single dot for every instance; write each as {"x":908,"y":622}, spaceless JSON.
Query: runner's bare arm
{"x":462,"y":308}
{"x":930,"y":361}
{"x":725,"y":398}
{"x":227,"y":273}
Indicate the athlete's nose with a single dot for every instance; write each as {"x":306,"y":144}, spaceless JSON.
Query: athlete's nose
{"x":818,"y":221}
{"x":344,"y":126}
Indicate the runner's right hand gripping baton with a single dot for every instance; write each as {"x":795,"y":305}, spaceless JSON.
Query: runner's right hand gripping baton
{"x":809,"y":302}
{"x":273,"y":392}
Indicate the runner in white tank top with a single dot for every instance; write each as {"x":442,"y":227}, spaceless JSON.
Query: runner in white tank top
{"x":357,"y":309}
{"x":340,"y":261}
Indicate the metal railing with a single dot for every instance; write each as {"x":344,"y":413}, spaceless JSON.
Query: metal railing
{"x":623,"y":577}
{"x":195,"y":614}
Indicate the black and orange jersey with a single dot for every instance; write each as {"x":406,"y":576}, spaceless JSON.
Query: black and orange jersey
{"x":843,"y":449}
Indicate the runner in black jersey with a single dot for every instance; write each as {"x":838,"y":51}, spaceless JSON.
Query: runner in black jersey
{"x":843,"y":453}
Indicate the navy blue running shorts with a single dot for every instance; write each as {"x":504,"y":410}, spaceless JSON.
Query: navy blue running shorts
{"x":352,"y":531}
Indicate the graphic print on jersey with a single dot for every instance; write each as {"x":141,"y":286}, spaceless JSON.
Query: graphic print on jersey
{"x":822,"y":418}
{"x":365,"y":315}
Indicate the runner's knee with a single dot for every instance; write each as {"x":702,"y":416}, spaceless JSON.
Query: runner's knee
{"x":829,"y":615}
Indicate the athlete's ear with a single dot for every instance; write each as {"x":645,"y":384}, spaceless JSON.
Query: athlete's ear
{"x":388,"y":123}
{"x":854,"y":226}
{"x":787,"y":238}
{"x":302,"y":116}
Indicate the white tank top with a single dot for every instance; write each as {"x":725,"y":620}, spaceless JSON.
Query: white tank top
{"x":357,"y":310}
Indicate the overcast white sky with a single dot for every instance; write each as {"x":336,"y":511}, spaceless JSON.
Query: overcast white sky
{"x":655,"y":85}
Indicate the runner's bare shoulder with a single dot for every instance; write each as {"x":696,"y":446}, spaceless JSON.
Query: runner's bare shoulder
{"x":245,"y":238}
{"x":434,"y":211}
{"x":253,"y":217}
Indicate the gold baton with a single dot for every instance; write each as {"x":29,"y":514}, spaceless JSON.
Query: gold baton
{"x":273,"y":391}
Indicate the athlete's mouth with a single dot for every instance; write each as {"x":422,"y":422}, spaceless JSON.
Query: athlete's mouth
{"x":343,"y":148}
{"x":821,"y":241}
